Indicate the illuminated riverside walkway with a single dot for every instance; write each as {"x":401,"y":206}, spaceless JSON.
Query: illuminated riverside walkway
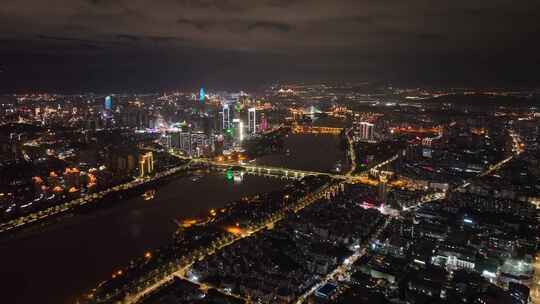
{"x":84,"y":200}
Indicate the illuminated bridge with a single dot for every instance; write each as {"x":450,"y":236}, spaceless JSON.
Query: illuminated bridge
{"x":285,"y":173}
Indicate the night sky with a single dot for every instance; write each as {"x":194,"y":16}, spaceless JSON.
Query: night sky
{"x":152,"y":45}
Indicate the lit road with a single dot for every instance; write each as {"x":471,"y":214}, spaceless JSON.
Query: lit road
{"x":343,"y":269}
{"x":206,"y":286}
{"x":375,"y":169}
{"x":427,"y":199}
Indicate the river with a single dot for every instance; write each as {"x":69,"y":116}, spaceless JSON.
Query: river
{"x":59,"y":262}
{"x":308,"y":152}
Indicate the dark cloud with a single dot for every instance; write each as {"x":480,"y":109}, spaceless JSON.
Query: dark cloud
{"x":96,"y":2}
{"x":265,"y":25}
{"x":200,"y":24}
{"x":220,"y":5}
{"x":368,"y":38}
{"x":166,"y":39}
{"x":280,"y":3}
{"x":128,"y":37}
{"x":58,"y":38}
{"x":89,"y":46}
{"x":365,"y":20}
{"x":432,"y":37}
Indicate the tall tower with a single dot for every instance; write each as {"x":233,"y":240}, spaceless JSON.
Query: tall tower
{"x":108,"y":103}
{"x":226,"y":117}
{"x":202,"y":96}
{"x":252,"y":120}
{"x":238,"y":129}
{"x":107,"y":112}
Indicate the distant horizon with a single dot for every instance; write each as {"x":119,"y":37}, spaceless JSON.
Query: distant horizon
{"x":211,"y":89}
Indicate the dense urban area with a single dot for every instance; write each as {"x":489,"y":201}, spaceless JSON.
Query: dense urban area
{"x":321,"y":193}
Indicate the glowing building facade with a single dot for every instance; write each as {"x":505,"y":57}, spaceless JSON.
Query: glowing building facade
{"x":202,"y":95}
{"x":146,"y":164}
{"x":108,"y":103}
{"x":238,"y":127}
{"x":252,"y":120}
{"x":226,"y":114}
{"x":364,"y":131}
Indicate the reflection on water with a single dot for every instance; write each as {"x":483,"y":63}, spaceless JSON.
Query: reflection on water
{"x":149,"y":194}
{"x":308,"y":152}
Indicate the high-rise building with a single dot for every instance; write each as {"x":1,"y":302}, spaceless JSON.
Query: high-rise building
{"x":191,"y":143}
{"x":238,"y":127}
{"x":166,"y":140}
{"x":252,"y":120}
{"x":364,"y":131}
{"x":107,"y":113}
{"x":202,"y":95}
{"x":226,"y":115}
{"x":108,"y":103}
{"x":200,"y":144}
{"x":184,"y":142}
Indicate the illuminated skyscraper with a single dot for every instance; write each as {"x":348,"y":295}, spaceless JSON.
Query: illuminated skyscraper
{"x":238,"y":127}
{"x":252,"y":120}
{"x":107,"y":113}
{"x":363,"y":131}
{"x":202,"y":95}
{"x":108,"y":103}
{"x":226,"y":117}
